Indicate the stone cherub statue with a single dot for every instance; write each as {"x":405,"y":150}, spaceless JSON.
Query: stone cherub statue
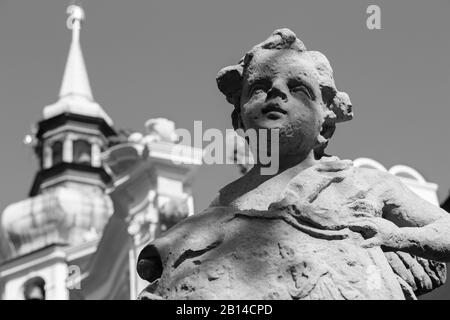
{"x":318,"y":229}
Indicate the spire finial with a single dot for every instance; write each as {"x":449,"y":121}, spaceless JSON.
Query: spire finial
{"x":76,"y":16}
{"x":75,"y":80}
{"x":75,"y":94}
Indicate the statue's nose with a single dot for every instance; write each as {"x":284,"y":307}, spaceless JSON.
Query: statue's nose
{"x":277,"y":90}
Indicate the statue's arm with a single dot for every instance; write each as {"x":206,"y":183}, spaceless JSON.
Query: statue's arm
{"x":405,"y":208}
{"x":409,"y":224}
{"x":431,"y":241}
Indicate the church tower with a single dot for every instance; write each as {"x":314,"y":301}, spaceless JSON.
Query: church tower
{"x":75,"y":130}
{"x":68,"y":206}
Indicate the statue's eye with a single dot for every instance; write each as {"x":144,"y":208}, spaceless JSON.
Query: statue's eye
{"x":301,"y":88}
{"x":297,"y":87}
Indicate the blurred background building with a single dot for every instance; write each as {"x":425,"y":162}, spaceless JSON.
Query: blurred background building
{"x":100,"y":194}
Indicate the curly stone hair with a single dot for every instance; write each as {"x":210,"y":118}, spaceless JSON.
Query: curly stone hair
{"x":337,"y":104}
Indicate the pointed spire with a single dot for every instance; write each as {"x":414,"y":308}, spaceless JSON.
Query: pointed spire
{"x":75,"y":95}
{"x":75,"y":80}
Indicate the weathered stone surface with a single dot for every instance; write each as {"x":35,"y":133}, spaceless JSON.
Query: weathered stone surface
{"x":318,"y":229}
{"x":281,"y":253}
{"x":301,"y":248}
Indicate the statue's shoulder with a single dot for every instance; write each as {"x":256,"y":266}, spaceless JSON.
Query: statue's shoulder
{"x":333,"y":166}
{"x":376,"y":176}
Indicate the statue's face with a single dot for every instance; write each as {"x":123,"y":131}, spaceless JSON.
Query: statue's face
{"x":280,"y":90}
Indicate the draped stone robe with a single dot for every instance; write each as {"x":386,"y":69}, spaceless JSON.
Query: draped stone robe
{"x":299,"y":248}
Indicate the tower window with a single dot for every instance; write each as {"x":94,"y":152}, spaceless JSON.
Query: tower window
{"x":82,"y":152}
{"x":34,"y":289}
{"x":57,"y":152}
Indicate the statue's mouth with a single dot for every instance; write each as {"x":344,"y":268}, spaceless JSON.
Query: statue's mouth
{"x":273,"y":107}
{"x":273,"y":111}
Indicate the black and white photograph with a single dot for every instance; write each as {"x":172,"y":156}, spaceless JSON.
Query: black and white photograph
{"x":242,"y":152}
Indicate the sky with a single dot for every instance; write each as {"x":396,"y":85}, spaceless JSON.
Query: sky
{"x":149,"y":59}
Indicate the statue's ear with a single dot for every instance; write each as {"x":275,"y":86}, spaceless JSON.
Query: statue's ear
{"x":229,"y":82}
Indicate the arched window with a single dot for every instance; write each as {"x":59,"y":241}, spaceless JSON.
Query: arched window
{"x":34,"y":289}
{"x":57,"y":152}
{"x":82,"y":152}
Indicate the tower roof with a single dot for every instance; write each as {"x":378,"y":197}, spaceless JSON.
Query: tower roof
{"x":75,"y":95}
